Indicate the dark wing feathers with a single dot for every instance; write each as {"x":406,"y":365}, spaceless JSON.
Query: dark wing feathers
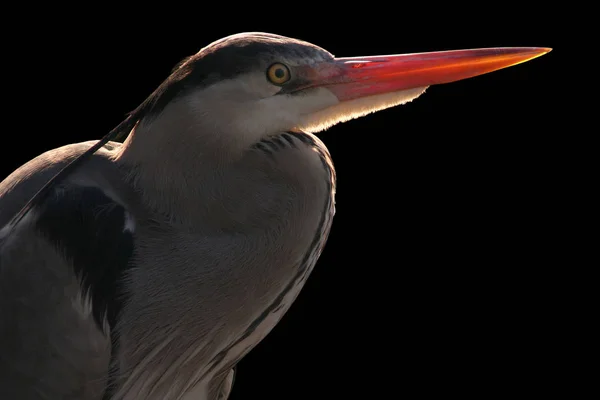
{"x":88,"y":226}
{"x":73,"y":245}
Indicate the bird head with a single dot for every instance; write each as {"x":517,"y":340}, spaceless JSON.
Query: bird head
{"x":251,"y":85}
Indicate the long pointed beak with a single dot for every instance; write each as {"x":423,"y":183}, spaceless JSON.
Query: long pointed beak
{"x":350,"y":78}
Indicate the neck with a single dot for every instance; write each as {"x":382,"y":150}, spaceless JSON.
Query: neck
{"x":197,"y":177}
{"x":173,"y":160}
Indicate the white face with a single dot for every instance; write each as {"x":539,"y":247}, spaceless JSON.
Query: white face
{"x":250,"y":107}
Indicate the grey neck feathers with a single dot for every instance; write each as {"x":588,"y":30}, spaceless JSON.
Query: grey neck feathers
{"x":206,"y":180}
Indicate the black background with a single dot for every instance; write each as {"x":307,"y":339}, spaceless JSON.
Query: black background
{"x":436,"y":278}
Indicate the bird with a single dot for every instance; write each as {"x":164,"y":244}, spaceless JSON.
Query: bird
{"x":148,"y":267}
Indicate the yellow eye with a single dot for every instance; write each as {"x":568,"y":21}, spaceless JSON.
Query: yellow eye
{"x":278,"y":74}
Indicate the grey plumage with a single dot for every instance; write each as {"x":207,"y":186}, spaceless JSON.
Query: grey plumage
{"x":162,"y":245}
{"x":150,"y":268}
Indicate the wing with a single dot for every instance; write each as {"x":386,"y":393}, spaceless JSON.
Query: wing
{"x":60,"y":274}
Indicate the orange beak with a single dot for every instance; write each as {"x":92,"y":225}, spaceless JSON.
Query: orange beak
{"x":355,"y":77}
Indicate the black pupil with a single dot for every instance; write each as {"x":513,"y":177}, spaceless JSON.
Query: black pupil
{"x":279,"y":73}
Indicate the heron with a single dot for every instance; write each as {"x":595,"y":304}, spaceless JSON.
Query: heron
{"x":149,"y":267}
